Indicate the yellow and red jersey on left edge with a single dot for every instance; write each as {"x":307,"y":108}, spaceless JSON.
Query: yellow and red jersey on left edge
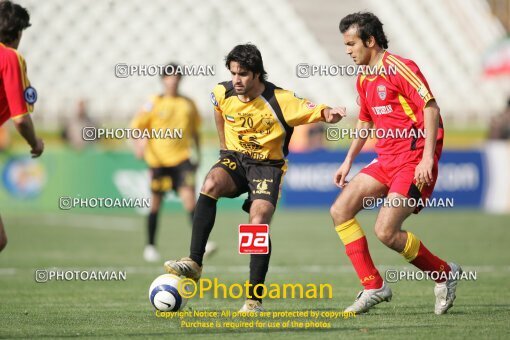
{"x":17,"y":97}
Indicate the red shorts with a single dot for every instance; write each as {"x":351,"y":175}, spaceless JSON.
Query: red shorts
{"x":397,"y":173}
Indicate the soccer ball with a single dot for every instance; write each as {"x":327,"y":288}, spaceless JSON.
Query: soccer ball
{"x":164,"y":294}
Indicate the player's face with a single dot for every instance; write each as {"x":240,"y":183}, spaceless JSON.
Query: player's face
{"x":243,"y":80}
{"x":171,"y":83}
{"x":354,"y":47}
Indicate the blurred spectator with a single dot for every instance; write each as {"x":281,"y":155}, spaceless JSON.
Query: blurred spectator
{"x":307,"y":138}
{"x":73,"y":129}
{"x":316,"y":134}
{"x":500,"y":125}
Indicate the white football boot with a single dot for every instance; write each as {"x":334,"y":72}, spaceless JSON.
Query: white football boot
{"x":252,"y":306}
{"x":445,"y":291}
{"x":368,"y":298}
{"x":150,"y":253}
{"x":210,"y":249}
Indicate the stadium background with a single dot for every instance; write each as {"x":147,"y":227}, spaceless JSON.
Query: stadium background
{"x":72,"y":49}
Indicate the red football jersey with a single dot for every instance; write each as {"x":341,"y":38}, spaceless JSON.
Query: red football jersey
{"x":394,"y":100}
{"x":16,"y":95}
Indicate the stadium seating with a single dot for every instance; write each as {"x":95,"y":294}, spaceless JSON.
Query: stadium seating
{"x":73,"y":47}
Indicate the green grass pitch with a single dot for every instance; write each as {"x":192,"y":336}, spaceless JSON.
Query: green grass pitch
{"x":305,"y":250}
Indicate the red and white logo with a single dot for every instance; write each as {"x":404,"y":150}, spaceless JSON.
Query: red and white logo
{"x":253,"y":239}
{"x":381,"y":91}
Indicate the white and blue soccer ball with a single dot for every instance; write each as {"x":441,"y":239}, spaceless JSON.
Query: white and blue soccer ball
{"x":164,"y":293}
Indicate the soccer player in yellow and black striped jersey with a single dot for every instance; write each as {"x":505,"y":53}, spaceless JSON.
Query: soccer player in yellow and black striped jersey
{"x":255,"y":120}
{"x":168,"y":158}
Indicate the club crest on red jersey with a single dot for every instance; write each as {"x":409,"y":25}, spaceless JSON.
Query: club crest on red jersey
{"x":381,"y":91}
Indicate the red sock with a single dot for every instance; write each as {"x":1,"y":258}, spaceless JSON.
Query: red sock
{"x":362,"y":261}
{"x":427,"y":261}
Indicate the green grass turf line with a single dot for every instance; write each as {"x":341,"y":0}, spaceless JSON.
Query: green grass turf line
{"x":306,"y":250}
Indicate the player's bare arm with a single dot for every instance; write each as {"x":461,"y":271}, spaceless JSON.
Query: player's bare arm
{"x":25,"y":128}
{"x":423,"y":172}
{"x":333,"y":115}
{"x":220,"y":126}
{"x":356,"y":146}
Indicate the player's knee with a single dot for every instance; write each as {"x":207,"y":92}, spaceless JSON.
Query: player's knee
{"x":385,"y":235}
{"x":188,"y":201}
{"x":261,"y":213}
{"x":339,"y":213}
{"x":210,"y":187}
{"x":155,"y":207}
{"x":334,"y":212}
{"x":261,"y":218}
{"x":155,"y":204}
{"x":189,"y":206}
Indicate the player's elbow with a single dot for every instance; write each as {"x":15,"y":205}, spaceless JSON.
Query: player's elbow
{"x":22,"y":121}
{"x":433,"y":107}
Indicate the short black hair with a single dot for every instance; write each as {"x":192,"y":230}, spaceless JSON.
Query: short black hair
{"x":367,"y":25}
{"x":13,"y":19}
{"x":249,"y":57}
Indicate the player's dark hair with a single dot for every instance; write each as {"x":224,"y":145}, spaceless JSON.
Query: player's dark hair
{"x":13,"y":19}
{"x":170,"y":69}
{"x":367,"y":25}
{"x":249,"y":57}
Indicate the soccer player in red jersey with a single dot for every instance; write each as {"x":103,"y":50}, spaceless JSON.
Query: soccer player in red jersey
{"x":16,"y":95}
{"x":405,"y":170}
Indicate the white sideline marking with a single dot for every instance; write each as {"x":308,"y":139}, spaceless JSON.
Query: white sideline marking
{"x":7,"y":271}
{"x":96,"y":222}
